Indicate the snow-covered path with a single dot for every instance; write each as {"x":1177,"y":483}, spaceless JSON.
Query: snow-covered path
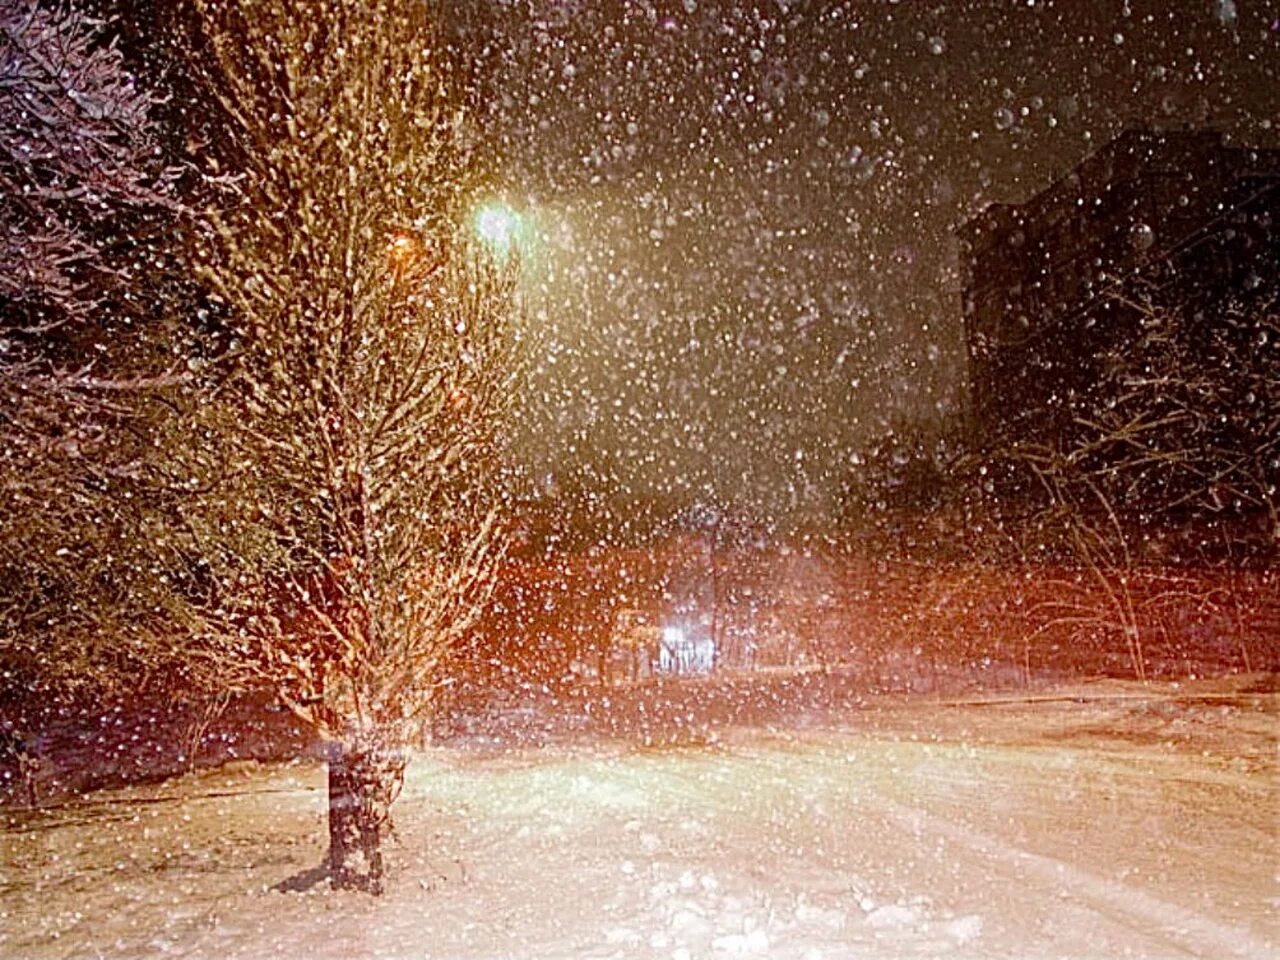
{"x":1143,"y":828}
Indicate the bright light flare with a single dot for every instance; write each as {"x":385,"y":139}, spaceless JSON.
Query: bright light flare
{"x":498,"y":226}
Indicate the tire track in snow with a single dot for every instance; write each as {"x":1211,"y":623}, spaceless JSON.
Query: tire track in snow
{"x":1181,"y":928}
{"x":1185,"y":928}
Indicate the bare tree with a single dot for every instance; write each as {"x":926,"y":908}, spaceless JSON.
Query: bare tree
{"x":78,"y":168}
{"x":1175,"y":455}
{"x":87,"y":197}
{"x":344,"y":526}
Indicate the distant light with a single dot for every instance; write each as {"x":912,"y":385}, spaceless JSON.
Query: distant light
{"x":498,"y":227}
{"x":400,"y":247}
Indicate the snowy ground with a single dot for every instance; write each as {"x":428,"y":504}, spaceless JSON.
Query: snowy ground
{"x":1102,"y":821}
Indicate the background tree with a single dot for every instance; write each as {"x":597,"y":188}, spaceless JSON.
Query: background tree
{"x":86,"y":338}
{"x":344,"y":524}
{"x":1173,"y":461}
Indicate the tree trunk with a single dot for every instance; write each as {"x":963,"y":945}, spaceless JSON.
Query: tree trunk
{"x":363,"y":783}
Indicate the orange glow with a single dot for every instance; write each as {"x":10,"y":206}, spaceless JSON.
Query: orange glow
{"x":400,"y":247}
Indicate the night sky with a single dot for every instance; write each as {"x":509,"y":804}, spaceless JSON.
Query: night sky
{"x":740,"y":215}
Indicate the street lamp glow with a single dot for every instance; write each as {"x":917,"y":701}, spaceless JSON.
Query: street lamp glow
{"x":497,"y":226}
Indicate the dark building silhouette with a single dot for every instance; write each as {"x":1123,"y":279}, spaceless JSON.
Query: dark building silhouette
{"x":1178,"y":220}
